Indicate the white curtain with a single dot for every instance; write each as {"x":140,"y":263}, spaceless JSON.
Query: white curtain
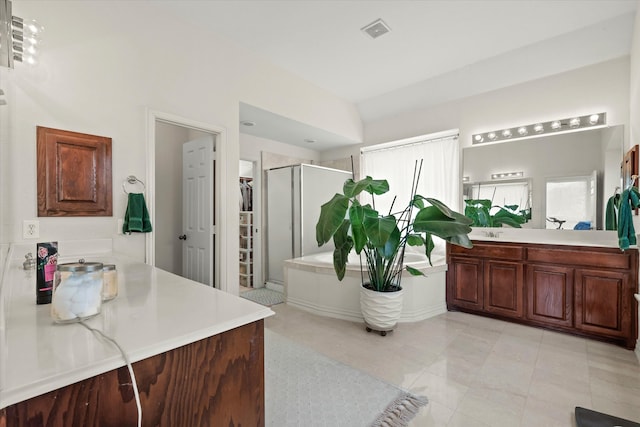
{"x":439,"y":177}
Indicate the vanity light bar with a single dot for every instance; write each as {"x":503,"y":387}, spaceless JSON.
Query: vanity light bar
{"x":507,"y":175}
{"x":542,"y":128}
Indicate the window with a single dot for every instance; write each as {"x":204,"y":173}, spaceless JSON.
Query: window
{"x":439,"y":176}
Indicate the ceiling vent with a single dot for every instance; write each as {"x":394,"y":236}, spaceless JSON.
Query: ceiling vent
{"x":376,"y":29}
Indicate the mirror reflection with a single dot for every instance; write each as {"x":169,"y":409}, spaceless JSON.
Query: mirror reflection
{"x":566,"y":178}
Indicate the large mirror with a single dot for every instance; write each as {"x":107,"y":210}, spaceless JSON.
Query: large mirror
{"x":564,"y":180}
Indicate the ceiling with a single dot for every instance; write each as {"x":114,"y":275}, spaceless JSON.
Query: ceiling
{"x":437,"y":50}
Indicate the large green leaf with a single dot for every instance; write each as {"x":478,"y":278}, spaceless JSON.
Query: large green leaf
{"x":379,"y":229}
{"x":448,"y":212}
{"x":352,"y":188}
{"x":332,"y":214}
{"x":418,"y":201}
{"x":486,"y":203}
{"x":391,"y":246}
{"x":433,"y":220}
{"x":478,"y":214}
{"x":428,"y":246}
{"x":508,"y":217}
{"x":357,"y":214}
{"x":415,"y":240}
{"x":414,"y":271}
{"x":378,"y":186}
{"x":343,"y":244}
{"x":461,"y":240}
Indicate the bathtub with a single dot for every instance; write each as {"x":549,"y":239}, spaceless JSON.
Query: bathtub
{"x":310,"y":284}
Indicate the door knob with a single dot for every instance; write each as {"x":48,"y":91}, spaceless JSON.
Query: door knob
{"x":183,"y":237}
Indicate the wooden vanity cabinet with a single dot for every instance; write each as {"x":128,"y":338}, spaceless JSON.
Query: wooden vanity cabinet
{"x":582,"y":290}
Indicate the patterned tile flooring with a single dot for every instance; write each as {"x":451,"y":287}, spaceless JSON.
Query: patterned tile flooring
{"x":480,"y":372}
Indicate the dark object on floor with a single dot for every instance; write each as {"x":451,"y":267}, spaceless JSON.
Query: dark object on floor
{"x":589,"y":418}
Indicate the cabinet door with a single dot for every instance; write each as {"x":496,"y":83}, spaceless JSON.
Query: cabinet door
{"x":603,"y":302}
{"x":74,"y":173}
{"x":549,"y":291}
{"x":464,"y":283}
{"x":503,"y":283}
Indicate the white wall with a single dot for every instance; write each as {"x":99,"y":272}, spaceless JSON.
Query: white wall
{"x":597,"y":88}
{"x":251,"y":148}
{"x":103,"y":65}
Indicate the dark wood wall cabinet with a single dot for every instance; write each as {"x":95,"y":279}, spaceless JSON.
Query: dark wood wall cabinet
{"x":74,"y":173}
{"x":582,"y":290}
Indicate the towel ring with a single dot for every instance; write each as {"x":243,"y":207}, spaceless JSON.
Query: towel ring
{"x":131,"y":179}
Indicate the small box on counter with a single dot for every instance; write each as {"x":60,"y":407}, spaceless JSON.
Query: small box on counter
{"x":45,"y":270}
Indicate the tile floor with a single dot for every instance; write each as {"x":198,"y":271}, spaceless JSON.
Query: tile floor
{"x":480,"y":372}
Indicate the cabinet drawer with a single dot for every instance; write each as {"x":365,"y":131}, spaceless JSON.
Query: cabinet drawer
{"x":505,"y":252}
{"x":573,"y":257}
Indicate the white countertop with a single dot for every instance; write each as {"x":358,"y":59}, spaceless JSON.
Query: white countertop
{"x":154,"y":312}
{"x":599,"y":238}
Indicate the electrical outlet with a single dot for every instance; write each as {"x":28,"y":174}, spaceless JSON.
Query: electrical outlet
{"x":30,"y":229}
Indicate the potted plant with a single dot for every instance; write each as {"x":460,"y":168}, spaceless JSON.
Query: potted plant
{"x":381,"y":239}
{"x":479,"y":210}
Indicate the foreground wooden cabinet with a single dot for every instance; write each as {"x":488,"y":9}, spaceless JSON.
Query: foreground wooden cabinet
{"x":218,"y":381}
{"x":582,"y":290}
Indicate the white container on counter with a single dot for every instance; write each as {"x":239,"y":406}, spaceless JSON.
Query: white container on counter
{"x":77,"y":291}
{"x":110,"y":282}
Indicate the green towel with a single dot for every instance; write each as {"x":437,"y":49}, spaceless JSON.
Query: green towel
{"x":626,"y":233}
{"x":136,"y":219}
{"x":611,"y":218}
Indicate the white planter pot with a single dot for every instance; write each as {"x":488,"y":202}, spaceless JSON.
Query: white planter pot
{"x":381,"y":310}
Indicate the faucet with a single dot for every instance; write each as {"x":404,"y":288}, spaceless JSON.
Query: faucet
{"x":29,"y":262}
{"x":492,"y":233}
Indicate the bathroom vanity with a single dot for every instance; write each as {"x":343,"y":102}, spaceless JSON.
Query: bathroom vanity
{"x":197,"y":353}
{"x":581,"y":290}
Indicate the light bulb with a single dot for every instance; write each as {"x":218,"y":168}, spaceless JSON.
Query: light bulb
{"x":506,"y":133}
{"x":32,"y":26}
{"x":478,"y":138}
{"x":574,"y":123}
{"x":522,"y":131}
{"x":30,"y":49}
{"x":555,"y":125}
{"x":593,"y":119}
{"x":538,"y":127}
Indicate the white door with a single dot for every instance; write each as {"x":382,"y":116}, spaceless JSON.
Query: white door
{"x":279,"y":222}
{"x":197,"y":210}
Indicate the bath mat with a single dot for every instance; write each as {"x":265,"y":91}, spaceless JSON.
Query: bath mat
{"x":306,"y":388}
{"x":588,"y":418}
{"x":264,"y":296}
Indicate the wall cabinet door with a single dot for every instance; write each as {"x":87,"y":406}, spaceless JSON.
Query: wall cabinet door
{"x":503,"y":282}
{"x":549,"y":291}
{"x":74,"y":174}
{"x":603,"y":301}
{"x":464,"y":282}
